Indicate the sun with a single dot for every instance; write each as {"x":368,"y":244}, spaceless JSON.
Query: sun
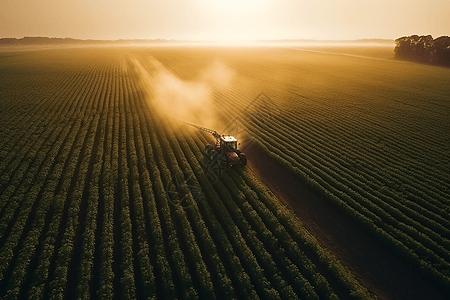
{"x":236,"y":6}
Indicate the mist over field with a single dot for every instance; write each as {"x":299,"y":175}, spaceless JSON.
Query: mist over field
{"x":185,"y":100}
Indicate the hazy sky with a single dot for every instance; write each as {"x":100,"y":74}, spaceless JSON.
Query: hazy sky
{"x":224,"y":20}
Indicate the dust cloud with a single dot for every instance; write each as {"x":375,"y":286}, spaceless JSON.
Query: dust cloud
{"x":190,"y":101}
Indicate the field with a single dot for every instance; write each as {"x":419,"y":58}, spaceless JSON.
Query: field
{"x":92,"y":155}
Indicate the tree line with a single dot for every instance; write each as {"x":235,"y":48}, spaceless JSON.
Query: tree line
{"x":424,"y":49}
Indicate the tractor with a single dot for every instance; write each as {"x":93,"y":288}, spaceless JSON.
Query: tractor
{"x":225,"y":151}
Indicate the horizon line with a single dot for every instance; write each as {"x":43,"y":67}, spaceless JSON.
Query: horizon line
{"x":197,"y":40}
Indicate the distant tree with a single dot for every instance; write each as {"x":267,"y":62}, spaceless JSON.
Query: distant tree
{"x":5,"y":41}
{"x":401,"y":45}
{"x":442,"y":51}
{"x":424,"y":49}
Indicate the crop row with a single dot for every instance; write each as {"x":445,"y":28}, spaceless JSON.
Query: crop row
{"x":86,"y":210}
{"x":405,"y":220}
{"x":259,"y":252}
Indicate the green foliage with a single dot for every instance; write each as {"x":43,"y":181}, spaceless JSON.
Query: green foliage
{"x":86,"y":161}
{"x":424,"y":49}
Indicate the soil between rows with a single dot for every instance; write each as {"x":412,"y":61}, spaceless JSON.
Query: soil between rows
{"x":372,"y":263}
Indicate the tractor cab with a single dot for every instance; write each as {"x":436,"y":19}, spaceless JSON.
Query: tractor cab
{"x":228,"y":143}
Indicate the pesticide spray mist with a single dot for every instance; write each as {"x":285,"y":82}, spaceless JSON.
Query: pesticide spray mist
{"x":185,"y":100}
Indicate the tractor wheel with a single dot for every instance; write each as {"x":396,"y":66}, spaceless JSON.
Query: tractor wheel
{"x":208,"y":150}
{"x":212,"y":154}
{"x":222,"y":160}
{"x":243,"y":159}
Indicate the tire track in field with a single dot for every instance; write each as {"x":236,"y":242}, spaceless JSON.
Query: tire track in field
{"x":342,"y":54}
{"x":375,"y":266}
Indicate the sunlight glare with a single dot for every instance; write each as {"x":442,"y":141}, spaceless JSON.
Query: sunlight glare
{"x":236,"y":5}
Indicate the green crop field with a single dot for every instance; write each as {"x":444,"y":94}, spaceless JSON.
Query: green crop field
{"x":92,"y":153}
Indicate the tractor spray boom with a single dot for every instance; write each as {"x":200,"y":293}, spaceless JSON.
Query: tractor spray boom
{"x":215,"y":134}
{"x":224,"y":150}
